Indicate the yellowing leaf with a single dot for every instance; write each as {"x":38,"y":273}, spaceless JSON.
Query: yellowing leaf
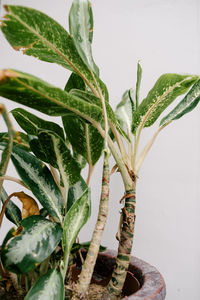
{"x":30,"y":206}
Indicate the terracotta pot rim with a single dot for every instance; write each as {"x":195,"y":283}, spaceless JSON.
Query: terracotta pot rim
{"x":153,"y":286}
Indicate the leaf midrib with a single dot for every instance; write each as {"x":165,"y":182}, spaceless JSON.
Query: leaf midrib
{"x":160,"y":98}
{"x":42,"y":188}
{"x":88,"y":144}
{"x":54,"y":49}
{"x":29,"y":121}
{"x":59,"y":161}
{"x":58,"y":102}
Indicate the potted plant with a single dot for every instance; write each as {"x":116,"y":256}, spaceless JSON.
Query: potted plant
{"x":38,"y":255}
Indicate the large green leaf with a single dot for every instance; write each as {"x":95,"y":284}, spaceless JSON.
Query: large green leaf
{"x":38,"y":94}
{"x":40,"y":36}
{"x":85,"y":138}
{"x":12,"y":212}
{"x":75,"y":218}
{"x":188,"y":103}
{"x":164,"y":92}
{"x":59,"y":156}
{"x":33,"y":124}
{"x":48,"y":287}
{"x":40,"y":180}
{"x":75,"y":192}
{"x":90,"y":98}
{"x":20,"y":139}
{"x":81,"y":29}
{"x":38,"y":239}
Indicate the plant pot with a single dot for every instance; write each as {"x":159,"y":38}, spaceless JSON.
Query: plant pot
{"x":143,"y":281}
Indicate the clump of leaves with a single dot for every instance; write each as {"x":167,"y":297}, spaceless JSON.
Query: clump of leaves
{"x":49,"y":158}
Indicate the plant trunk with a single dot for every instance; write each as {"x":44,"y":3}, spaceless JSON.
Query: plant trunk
{"x":88,"y":266}
{"x":125,"y":246}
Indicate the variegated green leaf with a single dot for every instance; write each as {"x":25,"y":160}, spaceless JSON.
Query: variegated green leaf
{"x":84,"y":138}
{"x":12,"y":212}
{"x":40,"y":36}
{"x":124,"y":111}
{"x":38,"y":239}
{"x":81,"y":29}
{"x":37,"y":149}
{"x":40,"y":180}
{"x":35,"y":93}
{"x":80,"y":159}
{"x":89,"y":97}
{"x":20,"y":139}
{"x":33,"y":124}
{"x":188,"y":103}
{"x":10,"y":234}
{"x":59,"y":156}
{"x":75,"y":192}
{"x":48,"y":287}
{"x":75,"y":82}
{"x":139,"y":77}
{"x":74,"y":220}
{"x":164,"y":92}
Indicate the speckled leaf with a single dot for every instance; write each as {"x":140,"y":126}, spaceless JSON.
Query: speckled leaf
{"x":40,"y":36}
{"x":59,"y":156}
{"x":12,"y":212}
{"x":84,"y":138}
{"x":188,"y":103}
{"x":75,"y":82}
{"x":81,"y":29}
{"x":124,"y":111}
{"x":40,"y":180}
{"x":167,"y":88}
{"x":48,"y":287}
{"x":38,"y":94}
{"x":75,"y":218}
{"x":33,"y":124}
{"x":80,"y":159}
{"x":20,"y":140}
{"x":37,"y":149}
{"x":75,"y":192}
{"x":90,"y":98}
{"x":37,"y":240}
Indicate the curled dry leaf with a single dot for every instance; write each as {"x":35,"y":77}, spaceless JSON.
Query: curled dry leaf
{"x":30,"y":206}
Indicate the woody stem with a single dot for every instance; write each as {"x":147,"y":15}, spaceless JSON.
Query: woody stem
{"x":88,"y":266}
{"x":125,"y":246}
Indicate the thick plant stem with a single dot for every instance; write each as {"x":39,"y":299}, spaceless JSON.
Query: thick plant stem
{"x":125,"y":246}
{"x":88,"y":266}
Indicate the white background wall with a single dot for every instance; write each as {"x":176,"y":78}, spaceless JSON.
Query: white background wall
{"x":165,"y":36}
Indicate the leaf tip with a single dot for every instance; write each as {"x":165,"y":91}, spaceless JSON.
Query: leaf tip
{"x":6,"y":7}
